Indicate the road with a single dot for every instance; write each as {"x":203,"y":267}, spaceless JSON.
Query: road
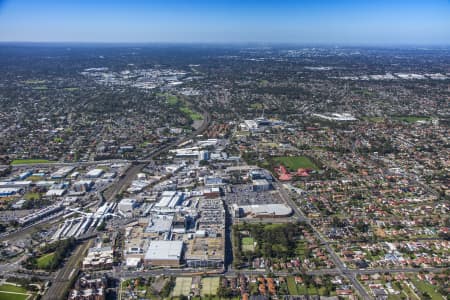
{"x":343,"y":270}
{"x":232,"y":273}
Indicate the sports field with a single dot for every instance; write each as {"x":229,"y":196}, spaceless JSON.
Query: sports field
{"x":29,"y":161}
{"x":12,"y":292}
{"x":210,"y":286}
{"x":182,"y":286}
{"x":295,"y":162}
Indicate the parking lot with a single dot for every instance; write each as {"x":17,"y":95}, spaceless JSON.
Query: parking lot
{"x":243,"y":194}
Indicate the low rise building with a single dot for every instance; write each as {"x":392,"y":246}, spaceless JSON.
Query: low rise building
{"x":164,"y":253}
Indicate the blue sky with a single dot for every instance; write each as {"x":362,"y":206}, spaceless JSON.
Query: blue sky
{"x":301,"y":21}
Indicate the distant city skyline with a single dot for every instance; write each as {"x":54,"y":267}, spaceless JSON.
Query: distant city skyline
{"x":198,"y":21}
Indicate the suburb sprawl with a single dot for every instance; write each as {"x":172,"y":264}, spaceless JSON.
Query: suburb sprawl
{"x":235,"y":173}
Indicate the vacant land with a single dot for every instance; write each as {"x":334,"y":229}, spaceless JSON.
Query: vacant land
{"x":210,"y":286}
{"x":295,"y":162}
{"x":182,"y":286}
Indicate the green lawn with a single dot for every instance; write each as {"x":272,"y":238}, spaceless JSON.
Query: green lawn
{"x":182,"y":286}
{"x":32,"y":196}
{"x":40,"y":88}
{"x":8,"y":296}
{"x":296,"y":162}
{"x":12,"y":288}
{"x":248,"y":244}
{"x":411,"y":119}
{"x":29,"y":161}
{"x":34,"y":81}
{"x":45,"y":260}
{"x":5,"y":288}
{"x":256,"y":106}
{"x":210,"y":286}
{"x":423,"y":286}
{"x":292,"y":286}
{"x":191,"y":114}
{"x":172,"y":100}
{"x":248,"y":241}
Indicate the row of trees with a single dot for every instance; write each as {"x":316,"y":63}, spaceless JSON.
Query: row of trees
{"x":61,"y":250}
{"x":272,"y":241}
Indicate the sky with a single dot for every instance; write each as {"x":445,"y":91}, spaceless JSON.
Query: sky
{"x":425,"y":22}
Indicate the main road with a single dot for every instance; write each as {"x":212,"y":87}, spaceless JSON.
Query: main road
{"x":343,"y":270}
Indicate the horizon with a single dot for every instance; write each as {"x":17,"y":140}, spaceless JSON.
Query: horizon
{"x":324,"y":22}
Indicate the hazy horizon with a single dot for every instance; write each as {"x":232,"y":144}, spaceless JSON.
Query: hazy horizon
{"x":320,"y":22}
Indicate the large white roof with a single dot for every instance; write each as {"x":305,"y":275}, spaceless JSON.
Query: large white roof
{"x":164,"y":250}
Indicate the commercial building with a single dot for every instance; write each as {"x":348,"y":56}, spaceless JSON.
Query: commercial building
{"x":170,"y":199}
{"x":205,"y":252}
{"x":164,"y":253}
{"x":260,"y":185}
{"x":127,"y":205}
{"x":99,"y":258}
{"x":266,"y":210}
{"x":159,"y":224}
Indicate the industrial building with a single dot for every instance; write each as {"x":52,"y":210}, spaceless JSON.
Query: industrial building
{"x":5,"y":192}
{"x":94,"y":173}
{"x":62,"y":173}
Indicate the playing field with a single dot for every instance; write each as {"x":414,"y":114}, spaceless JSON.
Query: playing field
{"x":182,"y":286}
{"x":248,"y":244}
{"x":29,"y":161}
{"x":295,"y":162}
{"x":210,"y":286}
{"x":12,"y":292}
